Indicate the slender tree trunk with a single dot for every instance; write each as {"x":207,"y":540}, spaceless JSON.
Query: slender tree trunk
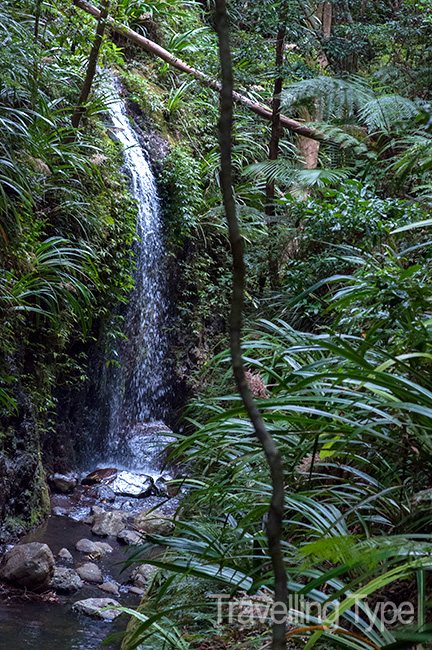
{"x":92,"y":63}
{"x":327,"y":19}
{"x":275,"y":514}
{"x":273,"y":258}
{"x":38,"y":11}
{"x":286,"y":122}
{"x":309,"y":149}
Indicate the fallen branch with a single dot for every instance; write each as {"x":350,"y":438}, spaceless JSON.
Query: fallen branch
{"x":150,"y":46}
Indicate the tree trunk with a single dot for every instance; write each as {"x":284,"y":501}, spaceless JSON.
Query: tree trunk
{"x":309,"y":149}
{"x":276,"y":510}
{"x":92,"y":63}
{"x":273,"y":258}
{"x":327,"y":19}
{"x":157,"y":50}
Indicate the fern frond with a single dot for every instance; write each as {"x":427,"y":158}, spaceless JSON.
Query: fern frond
{"x":381,"y":113}
{"x":284,"y":172}
{"x":333,"y":97}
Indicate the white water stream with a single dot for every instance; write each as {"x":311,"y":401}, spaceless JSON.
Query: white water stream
{"x":139,"y":403}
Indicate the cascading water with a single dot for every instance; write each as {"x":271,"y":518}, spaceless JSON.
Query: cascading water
{"x":138,"y":390}
{"x":139,"y":402}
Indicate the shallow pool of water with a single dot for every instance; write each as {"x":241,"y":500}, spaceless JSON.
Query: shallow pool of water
{"x":28,"y":623}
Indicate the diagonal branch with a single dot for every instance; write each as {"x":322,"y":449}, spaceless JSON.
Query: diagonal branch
{"x":150,"y":46}
{"x":274,"y":460}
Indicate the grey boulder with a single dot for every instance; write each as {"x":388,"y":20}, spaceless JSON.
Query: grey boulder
{"x":142,"y":575}
{"x":130,"y":537}
{"x":153,"y":522}
{"x":64,"y":554}
{"x":87,"y":546}
{"x":90,"y":572}
{"x":63,"y":483}
{"x":66,"y":581}
{"x":128,"y":484}
{"x":108,"y":523}
{"x":93,"y":607}
{"x":110,"y":588}
{"x":28,"y":565}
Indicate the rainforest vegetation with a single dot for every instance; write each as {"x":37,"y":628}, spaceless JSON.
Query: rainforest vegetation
{"x":329,"y":182}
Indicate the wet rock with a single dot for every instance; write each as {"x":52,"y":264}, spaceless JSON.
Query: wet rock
{"x":28,"y":565}
{"x":108,"y":523}
{"x":161,"y":487}
{"x":88,"y":520}
{"x":136,"y":590}
{"x":101,"y":493}
{"x":142,"y":575}
{"x":66,"y":581}
{"x":85,"y":546}
{"x":128,"y":484}
{"x":64,"y":554}
{"x":92,"y":607}
{"x":110,"y":588}
{"x":103,"y":547}
{"x":63,"y":483}
{"x":153,"y":522}
{"x":88,"y":546}
{"x":90,"y":572}
{"x":165,"y":488}
{"x":130,"y":537}
{"x":60,"y":512}
{"x":106,"y":475}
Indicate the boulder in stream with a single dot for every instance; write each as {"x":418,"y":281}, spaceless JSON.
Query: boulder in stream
{"x":108,"y":523}
{"x":110,"y":588}
{"x":130,"y":537}
{"x":88,"y":546}
{"x":30,"y":566}
{"x":90,"y":572}
{"x":142,"y":575}
{"x":129,"y":484}
{"x":153,"y":522}
{"x":105,"y":476}
{"x":64,"y":554}
{"x":65,"y":580}
{"x":93,"y":607}
{"x":63,"y":483}
{"x":101,"y":493}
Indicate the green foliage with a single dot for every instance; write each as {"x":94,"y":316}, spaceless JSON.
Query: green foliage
{"x":182,"y":191}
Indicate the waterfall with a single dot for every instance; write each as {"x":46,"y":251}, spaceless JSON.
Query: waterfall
{"x":139,"y":397}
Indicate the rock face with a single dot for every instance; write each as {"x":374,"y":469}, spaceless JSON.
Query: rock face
{"x":92,"y":607}
{"x":153,"y":523}
{"x":90,"y":572}
{"x":108,"y":523}
{"x":29,"y":565}
{"x":128,"y":484}
{"x":66,"y":581}
{"x":63,"y":483}
{"x":142,"y":575}
{"x":129,"y":537}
